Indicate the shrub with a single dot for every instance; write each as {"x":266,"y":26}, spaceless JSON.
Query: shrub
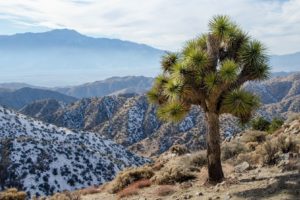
{"x":164,"y":190}
{"x":260,"y":124}
{"x":252,"y":158}
{"x":232,"y":149}
{"x":177,"y":170}
{"x":286,"y":144}
{"x":275,"y":124}
{"x":179,"y":149}
{"x":270,"y":149}
{"x":89,"y":190}
{"x":12,"y":194}
{"x":141,"y":183}
{"x":129,"y":191}
{"x":129,"y":176}
{"x":66,"y":196}
{"x":254,"y":136}
{"x":132,"y":189}
{"x":197,"y":159}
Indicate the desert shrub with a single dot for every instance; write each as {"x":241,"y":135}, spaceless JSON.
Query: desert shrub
{"x":164,"y":190}
{"x":275,"y":124}
{"x":251,"y":157}
{"x":142,"y":183}
{"x":286,"y":144}
{"x":129,"y":176}
{"x":292,"y":117}
{"x":269,"y":150}
{"x":197,"y":159}
{"x":254,"y":136}
{"x":179,"y":149}
{"x":12,"y":194}
{"x":232,"y":149}
{"x":177,"y":170}
{"x":292,"y":164}
{"x":128,"y":191}
{"x":251,"y":146}
{"x":133,"y":188}
{"x":260,"y":124}
{"x":66,"y":196}
{"x":89,"y":190}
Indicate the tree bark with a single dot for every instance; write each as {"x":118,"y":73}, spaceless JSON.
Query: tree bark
{"x":215,"y":172}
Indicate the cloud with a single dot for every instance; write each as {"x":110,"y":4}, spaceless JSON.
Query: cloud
{"x":162,"y":23}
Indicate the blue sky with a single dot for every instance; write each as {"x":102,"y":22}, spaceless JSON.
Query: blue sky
{"x":164,"y":24}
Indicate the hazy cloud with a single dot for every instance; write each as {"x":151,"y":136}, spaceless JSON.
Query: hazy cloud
{"x":162,"y":23}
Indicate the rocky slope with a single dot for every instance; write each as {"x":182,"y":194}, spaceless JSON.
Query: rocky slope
{"x":41,"y":158}
{"x":129,"y":120}
{"x":256,"y":165}
{"x":18,"y":98}
{"x":132,"y":122}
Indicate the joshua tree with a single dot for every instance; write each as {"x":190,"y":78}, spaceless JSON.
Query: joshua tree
{"x":209,"y":72}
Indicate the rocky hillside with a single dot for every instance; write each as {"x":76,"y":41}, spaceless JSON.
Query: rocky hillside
{"x":110,"y":86}
{"x":131,"y":121}
{"x":41,"y":159}
{"x":256,"y":165}
{"x":18,"y":98}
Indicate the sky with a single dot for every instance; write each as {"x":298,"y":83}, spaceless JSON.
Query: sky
{"x":165,"y":24}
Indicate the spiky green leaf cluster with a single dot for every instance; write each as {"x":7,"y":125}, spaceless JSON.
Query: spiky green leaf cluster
{"x":209,"y":72}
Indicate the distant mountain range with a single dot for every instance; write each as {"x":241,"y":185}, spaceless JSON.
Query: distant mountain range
{"x":65,"y":57}
{"x":132,"y":122}
{"x":43,"y":159}
{"x":287,"y":62}
{"x":16,"y":99}
{"x":110,"y":86}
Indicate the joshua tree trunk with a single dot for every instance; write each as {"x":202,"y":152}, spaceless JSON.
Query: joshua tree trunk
{"x":215,"y":172}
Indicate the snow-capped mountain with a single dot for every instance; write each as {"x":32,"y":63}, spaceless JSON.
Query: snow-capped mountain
{"x":41,"y":158}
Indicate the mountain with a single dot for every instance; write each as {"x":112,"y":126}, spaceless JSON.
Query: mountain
{"x":131,"y":121}
{"x":69,"y":58}
{"x":287,"y":62}
{"x":18,"y":98}
{"x":42,"y":159}
{"x":16,"y":86}
{"x":110,"y":86}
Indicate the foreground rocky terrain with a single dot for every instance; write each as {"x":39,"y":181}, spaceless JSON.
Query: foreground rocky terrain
{"x":131,"y":121}
{"x":257,"y":165}
{"x":41,"y":158}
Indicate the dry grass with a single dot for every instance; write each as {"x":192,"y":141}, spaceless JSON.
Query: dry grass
{"x":129,"y":176}
{"x":164,"y":190}
{"x":232,"y":149}
{"x":180,"y":169}
{"x":133,"y":188}
{"x":66,"y":196}
{"x":252,"y":158}
{"x":269,"y":152}
{"x":127,"y":192}
{"x":12,"y":194}
{"x":287,"y":144}
{"x":89,"y":190}
{"x":179,"y":149}
{"x":197,"y":159}
{"x":254,"y":136}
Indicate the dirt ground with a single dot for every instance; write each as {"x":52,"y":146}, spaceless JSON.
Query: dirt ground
{"x":260,"y":183}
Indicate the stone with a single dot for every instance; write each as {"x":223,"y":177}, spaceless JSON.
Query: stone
{"x":242,"y":167}
{"x":199,"y":194}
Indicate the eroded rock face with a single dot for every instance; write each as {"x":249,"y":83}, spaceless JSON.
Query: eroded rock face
{"x":42,"y":159}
